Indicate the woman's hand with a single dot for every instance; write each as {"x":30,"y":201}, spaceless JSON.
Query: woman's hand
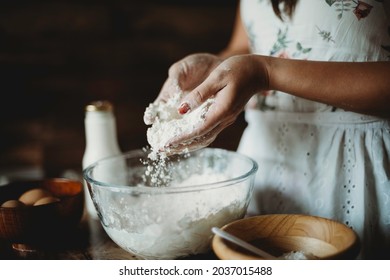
{"x":183,"y":77}
{"x":231,"y":84}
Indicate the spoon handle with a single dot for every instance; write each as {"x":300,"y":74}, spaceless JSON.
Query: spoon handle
{"x":242,"y":243}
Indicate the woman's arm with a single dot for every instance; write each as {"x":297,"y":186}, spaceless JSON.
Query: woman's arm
{"x":359,"y":87}
{"x":239,"y":43}
{"x":362,"y":87}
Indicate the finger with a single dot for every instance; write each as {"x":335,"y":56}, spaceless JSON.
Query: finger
{"x":219,"y":112}
{"x":217,"y":118}
{"x":169,"y":90}
{"x":198,"y":122}
{"x":194,"y":69}
{"x":154,"y":109}
{"x":150,"y":114}
{"x":207,"y":89}
{"x":178,"y":73}
{"x":171,"y":86}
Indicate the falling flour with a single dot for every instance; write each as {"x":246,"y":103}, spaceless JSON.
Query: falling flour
{"x":169,"y":224}
{"x":168,"y":124}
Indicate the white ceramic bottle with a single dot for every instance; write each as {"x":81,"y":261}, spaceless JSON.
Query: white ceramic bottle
{"x":101,"y":140}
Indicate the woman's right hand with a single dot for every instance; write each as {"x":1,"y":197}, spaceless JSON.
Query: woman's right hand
{"x":184,"y":76}
{"x":230,"y":85}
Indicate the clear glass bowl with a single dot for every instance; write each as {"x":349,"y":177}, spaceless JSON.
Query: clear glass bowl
{"x":210,"y":187}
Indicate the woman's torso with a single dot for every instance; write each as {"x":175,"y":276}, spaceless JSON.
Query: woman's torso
{"x":324,"y":30}
{"x":314,"y":158}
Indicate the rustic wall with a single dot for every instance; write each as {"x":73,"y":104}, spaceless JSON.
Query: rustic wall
{"x":56,"y":56}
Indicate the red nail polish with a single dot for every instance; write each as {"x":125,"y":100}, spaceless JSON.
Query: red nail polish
{"x":184,"y":108}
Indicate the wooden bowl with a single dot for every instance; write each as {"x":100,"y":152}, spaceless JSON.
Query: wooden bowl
{"x":41,"y":224}
{"x":280,"y":234}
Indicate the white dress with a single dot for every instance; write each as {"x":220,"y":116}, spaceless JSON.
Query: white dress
{"x":313,"y":158}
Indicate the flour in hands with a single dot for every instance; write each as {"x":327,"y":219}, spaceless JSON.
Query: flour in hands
{"x":169,"y":124}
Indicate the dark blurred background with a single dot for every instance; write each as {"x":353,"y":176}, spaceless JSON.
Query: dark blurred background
{"x":57,"y":56}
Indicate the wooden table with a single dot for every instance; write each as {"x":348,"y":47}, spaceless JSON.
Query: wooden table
{"x":88,"y":242}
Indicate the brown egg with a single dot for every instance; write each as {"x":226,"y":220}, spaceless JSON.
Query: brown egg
{"x":13,"y":204}
{"x":46,"y":200}
{"x":33,"y":195}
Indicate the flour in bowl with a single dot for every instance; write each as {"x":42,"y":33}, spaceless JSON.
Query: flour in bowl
{"x":177,"y":224}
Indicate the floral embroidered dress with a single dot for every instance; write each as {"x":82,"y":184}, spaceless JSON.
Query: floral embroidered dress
{"x":313,"y":158}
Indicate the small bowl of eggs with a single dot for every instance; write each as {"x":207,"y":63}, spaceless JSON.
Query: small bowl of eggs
{"x":35,"y":213}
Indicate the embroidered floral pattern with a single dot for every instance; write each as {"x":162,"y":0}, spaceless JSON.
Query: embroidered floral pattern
{"x":341,"y":6}
{"x":281,"y":42}
{"x":288,"y":46}
{"x":361,"y":10}
{"x":279,"y":48}
{"x":326,"y":35}
{"x":300,"y":50}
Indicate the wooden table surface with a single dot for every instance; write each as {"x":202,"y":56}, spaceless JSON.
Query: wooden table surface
{"x":88,"y":242}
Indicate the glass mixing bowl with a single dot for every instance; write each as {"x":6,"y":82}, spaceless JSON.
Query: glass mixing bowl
{"x":203,"y":189}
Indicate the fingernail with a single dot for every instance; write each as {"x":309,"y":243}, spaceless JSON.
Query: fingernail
{"x":184,"y":108}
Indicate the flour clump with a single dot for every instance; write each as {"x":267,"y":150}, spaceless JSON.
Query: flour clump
{"x":167,"y":123}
